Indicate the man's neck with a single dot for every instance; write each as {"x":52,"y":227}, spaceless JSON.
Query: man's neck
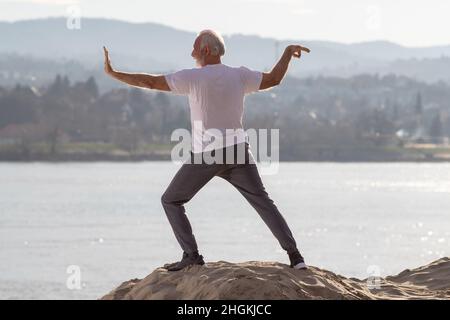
{"x":212,"y":62}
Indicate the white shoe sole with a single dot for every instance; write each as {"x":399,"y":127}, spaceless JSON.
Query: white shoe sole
{"x":300,"y":266}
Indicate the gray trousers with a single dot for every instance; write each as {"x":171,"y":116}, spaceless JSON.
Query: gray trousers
{"x":191,"y":177}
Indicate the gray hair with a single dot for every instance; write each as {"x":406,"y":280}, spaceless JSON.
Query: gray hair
{"x":213,"y":40}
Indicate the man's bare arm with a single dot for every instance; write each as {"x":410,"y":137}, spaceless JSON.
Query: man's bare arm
{"x":274,"y":77}
{"x":142,"y":80}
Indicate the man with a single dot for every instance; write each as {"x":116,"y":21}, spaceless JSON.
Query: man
{"x":216,"y":95}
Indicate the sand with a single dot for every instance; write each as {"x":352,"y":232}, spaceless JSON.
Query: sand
{"x":274,"y":280}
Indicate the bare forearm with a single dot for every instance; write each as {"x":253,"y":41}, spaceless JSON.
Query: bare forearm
{"x":279,"y":70}
{"x":142,"y":80}
{"x":134,"y":79}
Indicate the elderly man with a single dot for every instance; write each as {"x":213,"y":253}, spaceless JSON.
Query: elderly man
{"x":216,"y":97}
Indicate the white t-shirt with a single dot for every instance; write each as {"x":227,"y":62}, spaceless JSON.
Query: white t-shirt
{"x":216,"y":98}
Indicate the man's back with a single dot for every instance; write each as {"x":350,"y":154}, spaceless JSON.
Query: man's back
{"x":216,"y":98}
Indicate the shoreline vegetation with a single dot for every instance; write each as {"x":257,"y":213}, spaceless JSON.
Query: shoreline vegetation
{"x":92,"y":151}
{"x":361,"y":119}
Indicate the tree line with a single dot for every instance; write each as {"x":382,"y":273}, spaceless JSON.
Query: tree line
{"x":319,"y":118}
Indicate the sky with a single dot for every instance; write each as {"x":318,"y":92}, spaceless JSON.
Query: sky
{"x":413,"y":23}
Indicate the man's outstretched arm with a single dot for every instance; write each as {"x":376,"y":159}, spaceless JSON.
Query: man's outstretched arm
{"x":274,"y":77}
{"x":142,"y":80}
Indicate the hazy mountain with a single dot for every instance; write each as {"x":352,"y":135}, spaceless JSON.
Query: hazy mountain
{"x":150,"y":47}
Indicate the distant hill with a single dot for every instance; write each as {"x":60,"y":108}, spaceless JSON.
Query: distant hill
{"x":151,"y":47}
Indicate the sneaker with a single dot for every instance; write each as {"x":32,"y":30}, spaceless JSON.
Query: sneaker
{"x":297,"y":261}
{"x":168,"y":265}
{"x":187,"y":260}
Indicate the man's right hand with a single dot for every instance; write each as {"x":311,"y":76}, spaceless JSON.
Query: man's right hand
{"x":108,"y":68}
{"x":296,"y":50}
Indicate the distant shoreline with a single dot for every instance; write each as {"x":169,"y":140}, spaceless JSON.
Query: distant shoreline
{"x":62,"y":159}
{"x":314,"y":153}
